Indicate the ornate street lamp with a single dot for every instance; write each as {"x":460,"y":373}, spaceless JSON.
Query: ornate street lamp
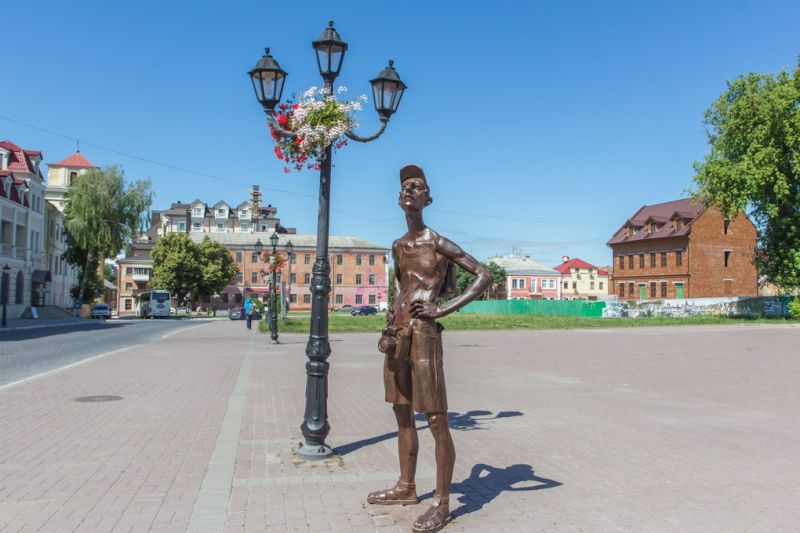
{"x":287,"y":300}
{"x":4,"y":281}
{"x":273,"y":312}
{"x":268,"y":79}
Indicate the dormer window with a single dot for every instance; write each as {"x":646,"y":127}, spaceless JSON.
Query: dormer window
{"x":222,"y":212}
{"x":197,"y":211}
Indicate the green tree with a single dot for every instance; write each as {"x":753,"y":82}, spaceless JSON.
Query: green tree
{"x":177,"y":265}
{"x":498,"y":274}
{"x":110,"y":273}
{"x":390,"y":288}
{"x":754,"y":166}
{"x":217,"y":268}
{"x":101,"y":215}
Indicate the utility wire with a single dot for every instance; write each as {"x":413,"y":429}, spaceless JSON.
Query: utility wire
{"x":303,"y":195}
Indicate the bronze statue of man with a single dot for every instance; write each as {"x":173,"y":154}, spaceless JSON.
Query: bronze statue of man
{"x":424,"y":267}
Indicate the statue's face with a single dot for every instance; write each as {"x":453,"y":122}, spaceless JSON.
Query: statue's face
{"x":414,"y":195}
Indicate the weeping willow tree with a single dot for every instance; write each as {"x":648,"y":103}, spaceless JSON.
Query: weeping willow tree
{"x":101,"y":215}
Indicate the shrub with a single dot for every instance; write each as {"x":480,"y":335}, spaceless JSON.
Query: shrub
{"x":794,"y":308}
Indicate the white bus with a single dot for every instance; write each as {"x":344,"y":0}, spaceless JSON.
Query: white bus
{"x":153,"y":304}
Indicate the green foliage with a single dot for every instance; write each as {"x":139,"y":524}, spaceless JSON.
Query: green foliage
{"x":464,"y":279}
{"x":794,"y":308}
{"x":390,"y":288}
{"x":183,"y":267}
{"x":217,"y":268}
{"x":754,"y":166}
{"x":101,"y":214}
{"x":109,"y":273}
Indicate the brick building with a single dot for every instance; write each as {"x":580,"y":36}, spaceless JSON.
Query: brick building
{"x":680,"y":249}
{"x":528,"y":280}
{"x":581,"y":280}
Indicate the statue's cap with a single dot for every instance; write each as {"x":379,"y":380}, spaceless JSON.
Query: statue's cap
{"x":412,"y":171}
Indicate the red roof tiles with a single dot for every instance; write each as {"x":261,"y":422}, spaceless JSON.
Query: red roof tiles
{"x":565,"y":267}
{"x":75,"y":160}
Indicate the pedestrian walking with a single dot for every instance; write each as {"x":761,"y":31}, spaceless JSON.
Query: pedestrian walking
{"x":248,"y":312}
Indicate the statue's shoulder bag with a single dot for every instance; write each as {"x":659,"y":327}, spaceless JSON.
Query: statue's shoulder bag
{"x":395,"y":341}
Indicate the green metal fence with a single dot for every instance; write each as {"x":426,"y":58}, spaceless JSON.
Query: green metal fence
{"x":536,"y":307}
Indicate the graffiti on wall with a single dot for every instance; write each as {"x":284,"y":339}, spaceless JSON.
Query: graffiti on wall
{"x":770,"y":306}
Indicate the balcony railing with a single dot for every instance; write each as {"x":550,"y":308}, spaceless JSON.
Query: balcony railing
{"x":13,"y":252}
{"x":140,"y":277}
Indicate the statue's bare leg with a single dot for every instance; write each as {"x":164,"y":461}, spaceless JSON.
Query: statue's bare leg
{"x":438,"y":514}
{"x":405,"y":491}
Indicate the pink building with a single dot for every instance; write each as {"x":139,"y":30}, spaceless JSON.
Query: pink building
{"x":528,"y":280}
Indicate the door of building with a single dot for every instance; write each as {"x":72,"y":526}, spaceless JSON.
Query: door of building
{"x":679,"y":290}
{"x":643,"y":292}
{"x":727,"y":287}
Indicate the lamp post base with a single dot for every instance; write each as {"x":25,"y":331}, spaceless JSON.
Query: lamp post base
{"x":314,"y":452}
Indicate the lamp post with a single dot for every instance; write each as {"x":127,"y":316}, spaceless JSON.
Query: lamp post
{"x":4,"y":293}
{"x":273,"y":311}
{"x":287,"y":300}
{"x":268,"y":79}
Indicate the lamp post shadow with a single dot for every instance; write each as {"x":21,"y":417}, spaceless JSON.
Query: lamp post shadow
{"x":469,"y":421}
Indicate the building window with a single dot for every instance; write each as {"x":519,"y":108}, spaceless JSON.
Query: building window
{"x":358,"y":299}
{"x":591,"y":285}
{"x":630,"y":290}
{"x":514,"y":283}
{"x":600,"y":285}
{"x":244,"y":226}
{"x":663,"y":259}
{"x":306,"y":278}
{"x":306,"y":298}
{"x":358,"y":259}
{"x":566,"y":284}
{"x":128,"y":304}
{"x":621,"y":290}
{"x":371,"y":299}
{"x":239,"y":277}
{"x":181,"y":225}
{"x":552,"y":284}
{"x":293,"y":298}
{"x":641,"y":260}
{"x":727,"y":258}
{"x":339,"y":299}
{"x":196,"y":226}
{"x":338,"y":279}
{"x":678,"y":258}
{"x":574,"y":284}
{"x":254,"y":277}
{"x":726,"y":225}
{"x":220,"y":226}
{"x":652,"y":260}
{"x":522,"y":283}
{"x":630,"y":262}
{"x":339,"y":259}
{"x":292,"y":278}
{"x":73,"y":175}
{"x":663,"y":289}
{"x":238,"y":257}
{"x":621,"y":262}
{"x":129,"y":286}
{"x":306,"y":259}
{"x":253,"y":257}
{"x":358,"y":279}
{"x":652,"y":289}
{"x":293,"y":260}
{"x":128,"y":271}
{"x":372,"y":261}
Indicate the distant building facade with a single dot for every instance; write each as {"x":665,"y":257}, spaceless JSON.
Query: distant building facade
{"x":22,"y":212}
{"x":528,"y":280}
{"x":581,"y":280}
{"x":680,"y":249}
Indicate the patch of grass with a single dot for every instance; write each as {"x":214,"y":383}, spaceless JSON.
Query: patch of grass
{"x":338,"y":323}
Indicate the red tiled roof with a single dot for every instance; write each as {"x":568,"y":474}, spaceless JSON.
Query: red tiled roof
{"x":661,"y":216}
{"x":565,"y":267}
{"x":75,"y":160}
{"x":19,"y":161}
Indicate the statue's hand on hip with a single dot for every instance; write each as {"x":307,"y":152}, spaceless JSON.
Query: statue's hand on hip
{"x":421,"y":309}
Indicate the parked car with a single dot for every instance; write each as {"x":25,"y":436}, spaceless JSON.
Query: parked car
{"x":182,"y":311}
{"x":101,"y":311}
{"x":364,"y":310}
{"x":236,"y":313}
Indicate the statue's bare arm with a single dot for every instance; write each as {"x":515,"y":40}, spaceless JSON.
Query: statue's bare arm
{"x":452,"y":251}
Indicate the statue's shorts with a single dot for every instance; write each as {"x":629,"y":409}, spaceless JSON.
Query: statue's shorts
{"x":418,"y":379}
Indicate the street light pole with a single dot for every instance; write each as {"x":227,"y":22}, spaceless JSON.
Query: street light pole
{"x":4,"y":293}
{"x":273,"y":312}
{"x":268,"y":80}
{"x":288,"y":299}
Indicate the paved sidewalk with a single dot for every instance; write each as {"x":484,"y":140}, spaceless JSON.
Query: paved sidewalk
{"x":662,"y":429}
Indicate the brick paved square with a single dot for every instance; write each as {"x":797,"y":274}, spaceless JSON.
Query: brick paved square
{"x":652,"y":429}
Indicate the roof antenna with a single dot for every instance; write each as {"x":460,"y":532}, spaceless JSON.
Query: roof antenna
{"x":78,"y":145}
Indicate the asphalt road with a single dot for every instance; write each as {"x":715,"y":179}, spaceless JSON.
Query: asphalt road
{"x":29,"y":352}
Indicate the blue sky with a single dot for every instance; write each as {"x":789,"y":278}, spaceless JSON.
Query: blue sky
{"x":541,"y":125}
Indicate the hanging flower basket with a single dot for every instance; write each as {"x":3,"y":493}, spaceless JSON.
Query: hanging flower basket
{"x":319,"y":120}
{"x":275,"y":261}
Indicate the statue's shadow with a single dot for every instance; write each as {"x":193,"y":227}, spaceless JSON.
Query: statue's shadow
{"x":469,"y":421}
{"x":486,"y":482}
